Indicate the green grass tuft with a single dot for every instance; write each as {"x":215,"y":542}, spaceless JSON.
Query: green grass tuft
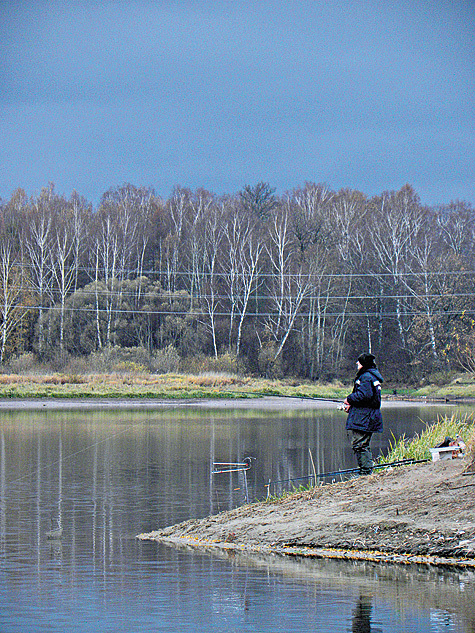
{"x":419,"y":446}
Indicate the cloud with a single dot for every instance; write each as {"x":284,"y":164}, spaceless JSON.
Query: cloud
{"x":235,"y":92}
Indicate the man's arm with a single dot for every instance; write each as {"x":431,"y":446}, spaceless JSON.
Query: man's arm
{"x":362,"y":395}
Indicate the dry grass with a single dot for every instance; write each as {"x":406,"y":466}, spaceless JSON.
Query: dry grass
{"x":145,"y":385}
{"x":52,"y":379}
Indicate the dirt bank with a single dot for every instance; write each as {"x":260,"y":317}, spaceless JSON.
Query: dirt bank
{"x":423,"y":513}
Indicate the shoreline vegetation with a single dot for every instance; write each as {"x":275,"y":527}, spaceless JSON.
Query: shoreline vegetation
{"x":207,"y":385}
{"x":418,"y":447}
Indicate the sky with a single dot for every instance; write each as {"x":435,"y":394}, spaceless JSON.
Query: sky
{"x":219,"y":94}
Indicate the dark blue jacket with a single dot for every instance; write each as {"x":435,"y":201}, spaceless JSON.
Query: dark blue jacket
{"x":365,"y":401}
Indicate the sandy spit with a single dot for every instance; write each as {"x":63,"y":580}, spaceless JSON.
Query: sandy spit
{"x":423,"y":514}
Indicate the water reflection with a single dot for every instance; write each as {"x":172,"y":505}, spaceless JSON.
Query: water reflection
{"x":109,"y":475}
{"x":361,"y":622}
{"x":382,"y":596}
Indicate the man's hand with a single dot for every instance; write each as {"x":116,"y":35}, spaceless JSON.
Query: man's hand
{"x":346,"y":405}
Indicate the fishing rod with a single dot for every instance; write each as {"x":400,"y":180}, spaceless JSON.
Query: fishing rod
{"x":401,"y":462}
{"x":279,"y":395}
{"x":335,"y":473}
{"x":319,"y":398}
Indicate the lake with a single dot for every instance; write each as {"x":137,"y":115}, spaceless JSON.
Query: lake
{"x":110,"y":473}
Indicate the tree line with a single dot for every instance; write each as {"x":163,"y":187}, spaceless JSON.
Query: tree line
{"x":291,"y":285}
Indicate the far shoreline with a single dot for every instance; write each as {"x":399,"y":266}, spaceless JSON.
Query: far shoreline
{"x":274,"y":402}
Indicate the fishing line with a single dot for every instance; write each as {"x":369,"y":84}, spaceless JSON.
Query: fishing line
{"x":201,"y":313}
{"x":72,"y":455}
{"x":264,"y":394}
{"x":127,"y":428}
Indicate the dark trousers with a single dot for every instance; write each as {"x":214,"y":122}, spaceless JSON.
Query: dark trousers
{"x":360,"y":441}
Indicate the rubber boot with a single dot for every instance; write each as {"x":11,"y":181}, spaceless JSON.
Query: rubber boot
{"x":365,"y":461}
{"x":360,"y":463}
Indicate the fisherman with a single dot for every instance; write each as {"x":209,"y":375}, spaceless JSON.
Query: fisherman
{"x":363,"y":406}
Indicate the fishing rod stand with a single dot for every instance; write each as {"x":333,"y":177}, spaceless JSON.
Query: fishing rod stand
{"x":234,"y":467}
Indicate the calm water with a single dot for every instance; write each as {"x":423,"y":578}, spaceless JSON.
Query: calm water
{"x":111,"y":474}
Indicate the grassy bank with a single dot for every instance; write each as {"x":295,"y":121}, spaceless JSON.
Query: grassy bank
{"x":203,"y":385}
{"x":162,"y":386}
{"x":442,"y":386}
{"x":461,"y":387}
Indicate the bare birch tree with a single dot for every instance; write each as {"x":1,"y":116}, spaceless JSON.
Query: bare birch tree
{"x":12,"y":309}
{"x":211,"y":249}
{"x":310,"y":212}
{"x":63,"y":267}
{"x":288,"y":284}
{"x":177,"y":208}
{"x":396,"y":220}
{"x":37,"y":241}
{"x":203,"y":229}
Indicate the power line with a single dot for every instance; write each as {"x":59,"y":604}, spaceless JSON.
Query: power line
{"x":202,"y":273}
{"x":177,"y":294}
{"x":196,"y":313}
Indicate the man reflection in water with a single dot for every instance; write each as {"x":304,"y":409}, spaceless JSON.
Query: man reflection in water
{"x":361,"y":622}
{"x":363,"y":406}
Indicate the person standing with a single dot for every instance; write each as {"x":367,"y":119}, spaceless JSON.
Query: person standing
{"x":363,"y":406}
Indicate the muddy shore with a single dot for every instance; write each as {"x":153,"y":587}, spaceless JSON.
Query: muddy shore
{"x":422,"y":513}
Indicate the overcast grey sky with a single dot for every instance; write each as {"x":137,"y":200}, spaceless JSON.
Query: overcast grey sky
{"x":218,"y":94}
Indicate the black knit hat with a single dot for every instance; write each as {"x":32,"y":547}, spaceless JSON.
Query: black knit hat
{"x":366,"y":360}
